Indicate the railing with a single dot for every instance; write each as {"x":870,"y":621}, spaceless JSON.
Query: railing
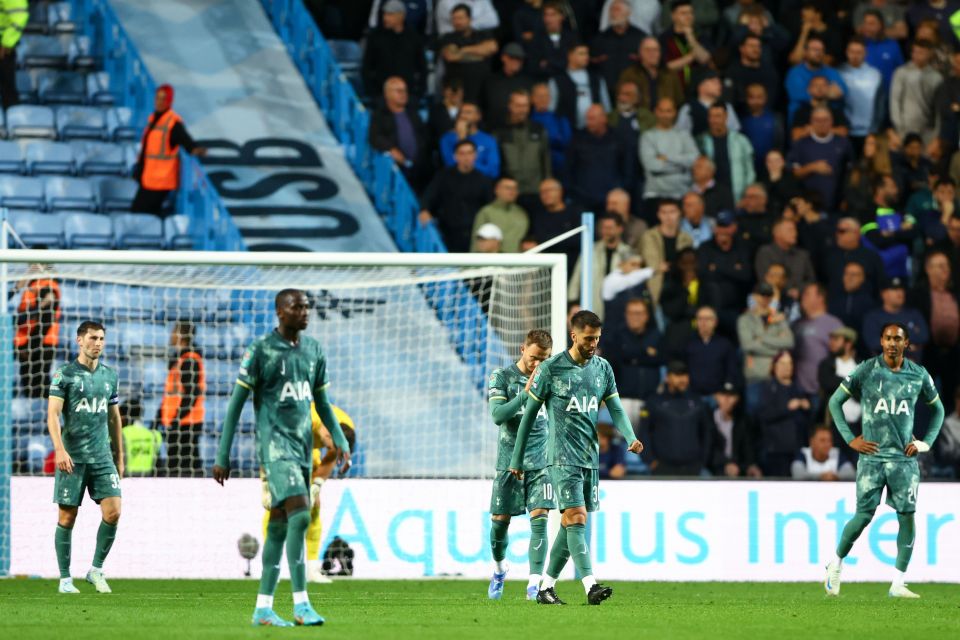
{"x":349,"y":120}
{"x":211,"y":225}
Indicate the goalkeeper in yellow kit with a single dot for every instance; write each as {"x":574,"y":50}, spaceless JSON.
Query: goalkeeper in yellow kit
{"x":324,"y":461}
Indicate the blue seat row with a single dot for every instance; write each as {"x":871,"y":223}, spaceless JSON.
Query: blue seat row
{"x":79,"y":157}
{"x":59,"y":193}
{"x":50,"y":17}
{"x":69,"y":122}
{"x":60,"y":51}
{"x":51,"y":86}
{"x":101,"y":231}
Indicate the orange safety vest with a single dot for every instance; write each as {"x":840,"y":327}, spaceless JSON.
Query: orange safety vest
{"x":161,"y":162}
{"x":173,"y":393}
{"x":29,"y":301}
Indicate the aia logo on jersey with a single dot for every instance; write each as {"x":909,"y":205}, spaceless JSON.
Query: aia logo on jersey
{"x":92,"y":405}
{"x":583,"y":404}
{"x":299,"y":391}
{"x":893,"y":408}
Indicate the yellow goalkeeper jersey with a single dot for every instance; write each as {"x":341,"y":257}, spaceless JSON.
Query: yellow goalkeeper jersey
{"x":342,"y":417}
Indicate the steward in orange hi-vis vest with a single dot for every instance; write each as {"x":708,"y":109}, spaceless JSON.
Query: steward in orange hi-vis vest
{"x":38,"y":331}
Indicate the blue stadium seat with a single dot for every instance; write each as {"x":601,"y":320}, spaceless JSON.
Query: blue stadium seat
{"x":11,"y":158}
{"x":31,"y":121}
{"x":140,"y":303}
{"x":347,"y":53}
{"x":131,"y":154}
{"x":18,"y":192}
{"x":121,"y":126}
{"x":116,"y":194}
{"x":26,"y":86}
{"x":37,"y":22}
{"x":42,"y":51}
{"x":69,"y":194}
{"x":81,"y":123}
{"x":154,"y":374}
{"x":176,"y":232}
{"x":27,"y":410}
{"x":143,"y":335}
{"x":80,"y":53}
{"x":100,"y":158}
{"x":44,"y":157}
{"x":138,"y":231}
{"x":87,"y":231}
{"x":36,"y":228}
{"x":60,"y":18}
{"x":61,"y":87}
{"x":98,"y":89}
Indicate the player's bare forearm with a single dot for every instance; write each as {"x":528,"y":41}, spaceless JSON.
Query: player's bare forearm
{"x":523,"y":432}
{"x":836,"y":412}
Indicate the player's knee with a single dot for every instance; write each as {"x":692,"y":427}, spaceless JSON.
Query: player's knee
{"x":574,"y":516}
{"x":500,"y":518}
{"x":67,"y":518}
{"x":536,"y":513}
{"x":111,"y":514}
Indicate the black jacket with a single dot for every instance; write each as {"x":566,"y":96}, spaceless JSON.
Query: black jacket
{"x":678,"y":429}
{"x":454,"y":199}
{"x":383,"y":132}
{"x":744,"y":446}
{"x":388,"y":54}
{"x":567,"y":94}
{"x":595,"y":165}
{"x":636,"y":360}
{"x":782,"y":430}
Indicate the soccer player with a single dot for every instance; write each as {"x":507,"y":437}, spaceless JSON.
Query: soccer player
{"x":88,"y":450}
{"x":572,"y":384}
{"x":887,"y":386}
{"x":286,"y":371}
{"x":509,"y":388}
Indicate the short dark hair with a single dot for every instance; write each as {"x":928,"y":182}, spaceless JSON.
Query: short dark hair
{"x":750,"y":36}
{"x":676,"y":4}
{"x":899,"y":325}
{"x":669,"y":202}
{"x":452,"y":82}
{"x":462,"y":7}
{"x":576,"y":45}
{"x":540,"y":338}
{"x":814,"y":38}
{"x":912,"y":137}
{"x":816,"y":5}
{"x":90,"y":325}
{"x":465,"y":142}
{"x":946,"y":180}
{"x":185,"y":329}
{"x":583,"y":319}
{"x":876,"y":14}
{"x":923,"y":43}
{"x":283,"y":295}
{"x":719,"y":104}
{"x":857,"y":39}
{"x":611,"y":216}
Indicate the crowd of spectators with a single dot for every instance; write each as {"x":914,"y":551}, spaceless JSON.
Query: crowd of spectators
{"x":773,"y":180}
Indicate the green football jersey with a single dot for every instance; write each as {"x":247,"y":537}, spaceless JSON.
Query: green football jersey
{"x":284,"y":378}
{"x":86,"y":397}
{"x":507,"y":384}
{"x":572,"y":394}
{"x":888,"y":399}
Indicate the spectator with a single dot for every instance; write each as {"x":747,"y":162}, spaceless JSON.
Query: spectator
{"x":454,"y":197}
{"x":38,"y":328}
{"x":612,"y":460}
{"x":913,"y":170}
{"x":15,"y":20}
{"x":692,"y":116}
{"x":443,"y":114}
{"x":553,"y":217}
{"x":755,"y":20}
{"x":730,"y":151}
{"x":596,"y":161}
{"x":782,"y":300}
{"x":182,"y":410}
{"x":628,"y":121}
{"x":524,"y":147}
{"x":820,"y":460}
{"x":487,"y":239}
{"x":890,"y":15}
{"x":393,"y":50}
{"x":752,"y":68}
{"x":683,"y":292}
{"x":577,"y":87}
{"x":678,"y":427}
{"x":812,"y":337}
{"x":837,"y":365}
{"x":614,"y":48}
{"x":695,"y":222}
{"x":711,"y":359}
{"x":627,"y":282}
{"x":644,"y":14}
{"x":548,"y":44}
{"x":947,"y":105}
{"x":779,"y":184}
{"x":812,"y":25}
{"x":482,"y":14}
{"x":754,"y":221}
{"x":557,"y":127}
{"x":847,"y":249}
{"x":942,"y":208}
{"x":814,"y":229}
{"x":509,"y":218}
{"x":893,"y":308}
{"x":866,"y":98}
{"x":158,"y":166}
{"x":763,"y":127}
{"x":142,"y":447}
{"x":821,"y":160}
{"x":784,"y":418}
{"x":467,"y":50}
{"x":633,"y":349}
{"x":716,"y":195}
{"x":887,"y":232}
{"x":912,"y":92}
{"x":736,"y":444}
{"x":938,"y":305}
{"x":663,"y":243}
{"x":396,"y":128}
{"x":817,"y":89}
{"x":651,"y":77}
{"x":684,"y":50}
{"x":418,"y":17}
{"x":763,"y":333}
{"x":855,"y":296}
{"x":608,"y":252}
{"x":467,"y":127}
{"x":667,"y":155}
{"x":618,"y":204}
{"x":941,"y":12}
{"x":499,"y":87}
{"x":883,"y":52}
{"x":813,"y":64}
{"x":875,"y":161}
{"x":783,"y":250}
{"x":725,"y":263}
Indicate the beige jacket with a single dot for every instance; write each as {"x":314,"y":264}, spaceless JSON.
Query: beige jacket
{"x":652,"y":250}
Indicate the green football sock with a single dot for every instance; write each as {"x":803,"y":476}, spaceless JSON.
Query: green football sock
{"x":272,"y":553}
{"x":905,"y":538}
{"x":62,"y":540}
{"x":297,"y":524}
{"x":498,"y":539}
{"x":559,"y":554}
{"x":577,"y":545}
{"x":105,"y":536}
{"x":538,"y":544}
{"x":852,"y":531}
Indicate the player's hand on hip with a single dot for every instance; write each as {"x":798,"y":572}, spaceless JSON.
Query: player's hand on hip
{"x":865,"y":447}
{"x":343,"y":459}
{"x":911,"y":450}
{"x":635,"y":447}
{"x":516,"y":473}
{"x":221,"y":474}
{"x":63,"y":461}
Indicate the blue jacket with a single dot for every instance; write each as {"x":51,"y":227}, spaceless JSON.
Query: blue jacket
{"x":488,"y":152}
{"x":559,"y":134}
{"x":711,"y":364}
{"x":797,"y":80}
{"x":884,"y":56}
{"x":885,"y":235}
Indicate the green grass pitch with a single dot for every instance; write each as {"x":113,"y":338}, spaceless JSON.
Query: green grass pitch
{"x":448,"y":610}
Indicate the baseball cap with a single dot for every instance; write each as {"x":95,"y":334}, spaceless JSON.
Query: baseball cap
{"x":394,"y":6}
{"x":729,"y":389}
{"x":514,"y":50}
{"x":489,"y":231}
{"x":846,"y":333}
{"x":726,"y":218}
{"x":893,"y":283}
{"x":678,"y":367}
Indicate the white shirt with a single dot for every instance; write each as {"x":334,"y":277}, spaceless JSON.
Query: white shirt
{"x":852,"y":411}
{"x":617,"y":281}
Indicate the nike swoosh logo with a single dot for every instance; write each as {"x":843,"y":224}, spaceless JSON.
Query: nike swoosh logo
{"x":539,"y":544}
{"x":909,"y":546}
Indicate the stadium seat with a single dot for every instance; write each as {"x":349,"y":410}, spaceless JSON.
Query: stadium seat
{"x":87,"y":231}
{"x":69,"y":194}
{"x":42,"y":51}
{"x":31,"y":121}
{"x":138,"y":231}
{"x":18,"y":192}
{"x":11,"y":158}
{"x":60,"y":18}
{"x":98,"y":89}
{"x":154,"y":374}
{"x":120,"y":125}
{"x":143,"y":337}
{"x":37,"y":22}
{"x":100,"y":158}
{"x":36,"y":228}
{"x":44,"y":157}
{"x":176,"y":232}
{"x":116,"y":194}
{"x":80,"y":53}
{"x":61,"y":87}
{"x":86,"y":123}
{"x":26,"y":86}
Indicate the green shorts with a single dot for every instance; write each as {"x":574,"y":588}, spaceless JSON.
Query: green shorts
{"x":576,"y":487}
{"x":286,"y":479}
{"x":100,"y":479}
{"x":900,"y":477}
{"x":511,"y":497}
